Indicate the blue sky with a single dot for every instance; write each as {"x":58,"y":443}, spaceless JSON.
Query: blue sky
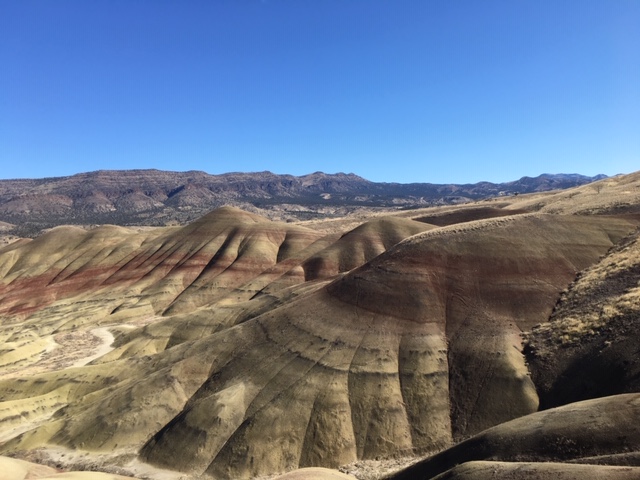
{"x":400,"y":91}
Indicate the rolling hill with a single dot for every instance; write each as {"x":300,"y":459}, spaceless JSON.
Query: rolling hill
{"x":236,"y":346}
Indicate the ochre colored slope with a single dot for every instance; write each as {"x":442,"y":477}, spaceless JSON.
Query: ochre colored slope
{"x":360,"y":245}
{"x":93,"y":278}
{"x":273,"y":286}
{"x":61,"y":263}
{"x":218,"y":253}
{"x":221,"y":250}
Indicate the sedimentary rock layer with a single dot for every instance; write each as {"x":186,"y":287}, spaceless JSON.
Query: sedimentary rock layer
{"x":246,"y":347}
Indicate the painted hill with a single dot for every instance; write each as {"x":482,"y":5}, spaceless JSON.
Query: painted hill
{"x":238,"y":347}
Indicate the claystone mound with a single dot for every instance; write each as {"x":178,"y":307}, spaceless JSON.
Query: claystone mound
{"x":321,"y":260}
{"x":604,"y":427}
{"x":187,"y":266}
{"x":483,"y":283}
{"x":360,"y":245}
{"x":466,"y":214}
{"x":362,"y":372}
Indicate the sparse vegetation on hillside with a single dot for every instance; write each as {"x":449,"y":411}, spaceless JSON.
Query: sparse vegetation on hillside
{"x":608,"y":290}
{"x":588,"y":348}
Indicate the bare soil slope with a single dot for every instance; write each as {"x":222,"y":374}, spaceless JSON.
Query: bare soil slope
{"x":565,"y":442}
{"x":589,"y":347}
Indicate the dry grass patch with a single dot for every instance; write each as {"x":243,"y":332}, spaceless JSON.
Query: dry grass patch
{"x":606,"y":291}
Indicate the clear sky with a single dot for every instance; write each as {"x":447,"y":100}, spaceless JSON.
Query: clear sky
{"x":393,"y":90}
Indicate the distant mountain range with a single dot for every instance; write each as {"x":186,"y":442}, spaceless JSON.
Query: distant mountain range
{"x":154,"y":197}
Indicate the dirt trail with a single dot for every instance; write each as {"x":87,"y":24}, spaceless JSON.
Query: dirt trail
{"x":66,"y":350}
{"x":106,"y":338}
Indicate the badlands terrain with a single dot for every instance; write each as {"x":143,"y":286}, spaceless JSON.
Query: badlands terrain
{"x":495,"y":339}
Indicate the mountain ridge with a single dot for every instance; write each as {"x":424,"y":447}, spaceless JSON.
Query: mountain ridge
{"x":158,"y":198}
